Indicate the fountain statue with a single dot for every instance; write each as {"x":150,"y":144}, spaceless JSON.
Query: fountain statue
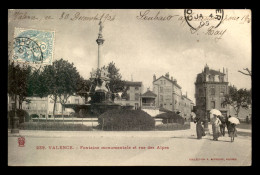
{"x":99,"y":96}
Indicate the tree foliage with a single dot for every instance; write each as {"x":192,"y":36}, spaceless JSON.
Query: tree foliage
{"x":116,"y":84}
{"x":60,"y":80}
{"x":18,"y":77}
{"x":238,"y":98}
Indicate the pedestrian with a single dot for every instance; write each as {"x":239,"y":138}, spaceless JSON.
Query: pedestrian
{"x":215,"y":127}
{"x":199,"y":129}
{"x":232,"y":131}
{"x":222,"y":125}
{"x":228,"y":123}
{"x":247,"y":119}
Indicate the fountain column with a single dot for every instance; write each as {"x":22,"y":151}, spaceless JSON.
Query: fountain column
{"x":100,"y":42}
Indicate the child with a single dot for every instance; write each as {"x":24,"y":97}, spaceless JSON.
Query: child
{"x":232,"y":131}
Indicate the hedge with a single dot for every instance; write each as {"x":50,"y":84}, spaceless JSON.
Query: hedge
{"x":125,"y":120}
{"x":34,"y":116}
{"x":20,"y":113}
{"x":54,"y":126}
{"x":171,"y":117}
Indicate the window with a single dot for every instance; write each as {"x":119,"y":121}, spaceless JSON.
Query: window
{"x":161,"y":81}
{"x":136,"y":106}
{"x":56,"y":108}
{"x":161,"y":97}
{"x":212,"y":91}
{"x":77,"y":101}
{"x":221,"y":78}
{"x":201,"y":92}
{"x":43,"y":106}
{"x":164,"y":81}
{"x":136,"y":96}
{"x":221,"y":103}
{"x":161,"y":89}
{"x":222,"y":90}
{"x":136,"y":88}
{"x":212,"y":104}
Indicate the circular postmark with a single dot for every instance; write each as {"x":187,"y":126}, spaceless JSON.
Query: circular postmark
{"x":196,"y":18}
{"x":27,"y":49}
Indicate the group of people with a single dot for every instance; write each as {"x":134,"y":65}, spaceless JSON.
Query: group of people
{"x":219,"y":124}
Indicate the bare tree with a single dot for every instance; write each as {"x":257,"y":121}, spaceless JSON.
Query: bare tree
{"x":248,"y":72}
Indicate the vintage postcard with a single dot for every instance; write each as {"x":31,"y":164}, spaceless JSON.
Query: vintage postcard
{"x":129,"y":87}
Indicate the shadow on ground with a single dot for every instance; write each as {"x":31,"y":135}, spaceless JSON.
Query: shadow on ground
{"x":241,"y":133}
{"x":203,"y":138}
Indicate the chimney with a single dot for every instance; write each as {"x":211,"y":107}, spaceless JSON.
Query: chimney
{"x":227,"y":73}
{"x":131,"y":77}
{"x":171,"y":78}
{"x":186,"y":94}
{"x":148,"y":89}
{"x":223,"y":70}
{"x":206,"y":69}
{"x":167,"y":75}
{"x":154,"y":77}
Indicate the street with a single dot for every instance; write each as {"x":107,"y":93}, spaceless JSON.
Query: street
{"x":127,"y":148}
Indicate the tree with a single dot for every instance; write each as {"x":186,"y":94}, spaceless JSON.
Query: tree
{"x":83,"y":86}
{"x":17,"y":82}
{"x":238,"y":98}
{"x":248,"y":72}
{"x":116,"y":84}
{"x":60,"y":81}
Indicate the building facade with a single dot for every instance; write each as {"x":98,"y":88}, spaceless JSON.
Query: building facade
{"x":169,"y":95}
{"x":132,"y":95}
{"x":43,"y":107}
{"x":211,"y":86}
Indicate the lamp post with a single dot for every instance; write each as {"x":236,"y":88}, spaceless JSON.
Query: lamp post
{"x":206,"y":116}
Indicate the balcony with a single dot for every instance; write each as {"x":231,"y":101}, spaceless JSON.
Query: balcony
{"x":148,"y":106}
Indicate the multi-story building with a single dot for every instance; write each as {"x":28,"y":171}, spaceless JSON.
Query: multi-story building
{"x":210,"y":89}
{"x":169,"y":95}
{"x":43,"y":107}
{"x":133,"y":95}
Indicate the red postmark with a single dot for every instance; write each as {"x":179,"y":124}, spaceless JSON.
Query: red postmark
{"x":21,"y":141}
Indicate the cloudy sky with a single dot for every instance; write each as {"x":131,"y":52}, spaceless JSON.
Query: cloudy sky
{"x":141,"y":47}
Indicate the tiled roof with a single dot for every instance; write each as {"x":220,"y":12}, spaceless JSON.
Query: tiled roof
{"x":214,"y":72}
{"x":133,"y":83}
{"x":149,"y":94}
{"x":173,"y":82}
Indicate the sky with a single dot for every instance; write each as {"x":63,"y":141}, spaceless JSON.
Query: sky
{"x":142,"y":47}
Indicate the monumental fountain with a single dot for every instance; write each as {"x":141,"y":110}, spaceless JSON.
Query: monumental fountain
{"x":99,"y":100}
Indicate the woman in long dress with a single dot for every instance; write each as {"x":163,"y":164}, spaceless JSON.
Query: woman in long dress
{"x":215,"y":127}
{"x":199,"y":129}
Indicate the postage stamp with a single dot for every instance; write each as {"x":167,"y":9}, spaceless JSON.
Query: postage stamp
{"x":33,"y":46}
